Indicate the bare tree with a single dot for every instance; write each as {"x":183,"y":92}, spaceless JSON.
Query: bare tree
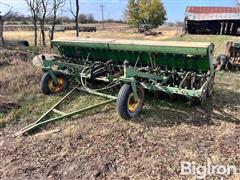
{"x":1,"y":31}
{"x":42,"y":14}
{"x":75,"y":14}
{"x":5,"y":16}
{"x":34,"y":8}
{"x":57,"y":4}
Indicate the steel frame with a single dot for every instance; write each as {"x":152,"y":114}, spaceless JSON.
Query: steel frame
{"x":131,"y":74}
{"x":62,"y":115}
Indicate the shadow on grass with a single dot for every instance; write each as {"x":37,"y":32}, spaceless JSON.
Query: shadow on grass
{"x":222,"y":106}
{"x":160,"y":112}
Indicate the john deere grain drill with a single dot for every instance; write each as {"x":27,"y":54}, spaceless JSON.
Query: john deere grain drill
{"x":133,"y":67}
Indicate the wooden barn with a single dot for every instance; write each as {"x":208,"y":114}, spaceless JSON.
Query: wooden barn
{"x":212,"y":20}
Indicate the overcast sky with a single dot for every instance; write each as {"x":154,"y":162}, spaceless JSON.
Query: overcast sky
{"x":114,"y":8}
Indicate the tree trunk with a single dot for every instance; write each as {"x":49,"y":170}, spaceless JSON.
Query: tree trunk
{"x":35,"y":31}
{"x":1,"y":32}
{"x":77,"y":27}
{"x":52,"y":32}
{"x":76,"y":18}
{"x":53,"y":26}
{"x":43,"y":37}
{"x":42,"y":26}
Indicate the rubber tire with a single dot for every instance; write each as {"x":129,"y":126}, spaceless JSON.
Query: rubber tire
{"x":210,"y":89}
{"x":122,"y":101}
{"x":222,"y":60}
{"x":44,"y":82}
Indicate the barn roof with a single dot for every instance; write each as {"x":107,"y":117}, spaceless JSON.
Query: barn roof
{"x":200,"y":13}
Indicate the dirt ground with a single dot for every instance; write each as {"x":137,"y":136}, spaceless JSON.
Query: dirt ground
{"x":100,"y":145}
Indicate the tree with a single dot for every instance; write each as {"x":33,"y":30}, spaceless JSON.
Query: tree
{"x":86,"y":18}
{"x":8,"y":15}
{"x":64,"y":19}
{"x":90,"y":18}
{"x":145,"y":12}
{"x":34,"y":5}
{"x":42,"y":14}
{"x":75,"y":13}
{"x":82,"y":18}
{"x":57,"y":4}
{"x":131,"y":14}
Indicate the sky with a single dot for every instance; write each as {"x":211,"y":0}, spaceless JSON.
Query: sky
{"x":113,"y":9}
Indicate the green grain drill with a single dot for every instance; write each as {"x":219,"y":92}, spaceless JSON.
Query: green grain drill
{"x":172,"y":68}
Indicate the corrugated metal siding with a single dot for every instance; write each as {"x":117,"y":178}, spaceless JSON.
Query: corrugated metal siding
{"x":198,"y":13}
{"x":211,"y":10}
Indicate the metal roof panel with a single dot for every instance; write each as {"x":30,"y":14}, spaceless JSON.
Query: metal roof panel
{"x":211,"y":9}
{"x":200,"y":13}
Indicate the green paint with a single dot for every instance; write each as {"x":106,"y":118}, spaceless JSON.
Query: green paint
{"x":175,"y":55}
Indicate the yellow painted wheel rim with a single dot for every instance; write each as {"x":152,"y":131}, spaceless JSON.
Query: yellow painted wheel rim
{"x":56,"y":87}
{"x":132,"y":104}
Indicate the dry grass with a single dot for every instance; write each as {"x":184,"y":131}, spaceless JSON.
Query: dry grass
{"x":219,"y":41}
{"x":28,"y":35}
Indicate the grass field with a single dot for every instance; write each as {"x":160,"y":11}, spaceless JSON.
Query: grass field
{"x":116,"y":34}
{"x":99,"y":144}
